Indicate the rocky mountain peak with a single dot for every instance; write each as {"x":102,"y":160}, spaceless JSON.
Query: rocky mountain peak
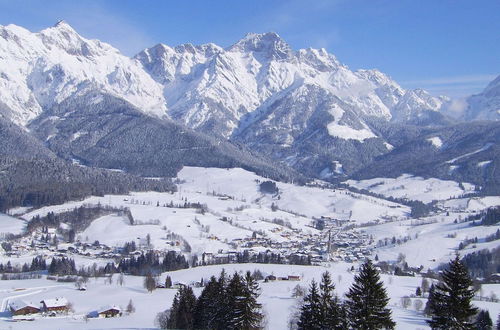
{"x":268,"y":44}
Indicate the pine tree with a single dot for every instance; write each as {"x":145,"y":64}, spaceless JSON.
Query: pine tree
{"x":331,"y":311}
{"x":498,"y":322}
{"x":451,"y":302}
{"x":168,"y":282}
{"x":251,"y":315}
{"x":150,"y":282}
{"x":207,"y":307}
{"x":130,"y":307}
{"x":223,"y":312}
{"x":367,"y":301}
{"x":483,"y":321}
{"x":430,"y":301}
{"x":236,"y":294}
{"x":182,"y":311}
{"x":310,"y":312}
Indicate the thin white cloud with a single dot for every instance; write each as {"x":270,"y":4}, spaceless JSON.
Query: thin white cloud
{"x":481,"y":78}
{"x":455,"y":86}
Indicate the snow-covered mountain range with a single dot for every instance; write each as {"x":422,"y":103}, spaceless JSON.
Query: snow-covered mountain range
{"x":41,"y":70}
{"x":301,"y":107}
{"x":231,"y":89}
{"x":202,"y":87}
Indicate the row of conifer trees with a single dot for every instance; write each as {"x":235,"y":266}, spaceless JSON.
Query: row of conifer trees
{"x":225,"y":303}
{"x":231,"y":303}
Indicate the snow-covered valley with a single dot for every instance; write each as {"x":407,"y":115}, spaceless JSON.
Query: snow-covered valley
{"x":237,"y":216}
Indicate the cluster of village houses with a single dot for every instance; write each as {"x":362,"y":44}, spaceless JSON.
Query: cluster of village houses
{"x":53,"y":307}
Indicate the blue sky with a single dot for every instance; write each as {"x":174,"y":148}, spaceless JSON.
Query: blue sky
{"x":444,"y":46}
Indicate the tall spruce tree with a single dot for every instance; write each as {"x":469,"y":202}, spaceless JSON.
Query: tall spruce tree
{"x":367,"y":301}
{"x":223,"y":308}
{"x":331,"y":310}
{"x":207,"y":306}
{"x":430,"y":301}
{"x":483,"y":320}
{"x":172,"y":317}
{"x":182,"y":311}
{"x":251,"y":311}
{"x":310,"y":312}
{"x":236,"y":294}
{"x":451,"y":306}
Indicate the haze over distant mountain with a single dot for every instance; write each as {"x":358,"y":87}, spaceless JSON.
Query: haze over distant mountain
{"x":485,"y":105}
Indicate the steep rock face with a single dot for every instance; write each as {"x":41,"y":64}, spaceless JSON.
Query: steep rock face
{"x":486,"y":105}
{"x":40,"y":70}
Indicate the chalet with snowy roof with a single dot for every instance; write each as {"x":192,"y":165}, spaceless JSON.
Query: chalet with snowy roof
{"x":55,"y":305}
{"x":20,"y":307}
{"x":110,"y":311}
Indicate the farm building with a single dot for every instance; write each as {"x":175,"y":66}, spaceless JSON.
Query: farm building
{"x":110,"y":311}
{"x":19,"y":307}
{"x":55,"y":305}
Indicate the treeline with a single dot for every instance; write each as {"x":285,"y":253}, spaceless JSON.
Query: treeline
{"x":37,"y":264}
{"x":41,"y":182}
{"x":489,"y":217}
{"x":152,"y":263}
{"x":147,"y":263}
{"x":259,"y":258}
{"x":225,"y":303}
{"x":484,"y":263}
{"x":79,"y":218}
{"x":418,"y":209}
{"x":62,"y":266}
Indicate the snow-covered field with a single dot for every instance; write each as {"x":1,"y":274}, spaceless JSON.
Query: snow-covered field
{"x":414,"y":187}
{"x":235,"y":209}
{"x":11,"y":225}
{"x":276,"y":297}
{"x":231,"y":194}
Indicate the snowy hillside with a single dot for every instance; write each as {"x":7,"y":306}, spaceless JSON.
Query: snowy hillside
{"x":10,"y":225}
{"x":414,"y":188}
{"x":232,"y":195}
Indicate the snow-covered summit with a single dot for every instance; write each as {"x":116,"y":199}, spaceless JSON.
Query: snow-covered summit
{"x":209,"y":87}
{"x":270,"y":45}
{"x":40,"y":70}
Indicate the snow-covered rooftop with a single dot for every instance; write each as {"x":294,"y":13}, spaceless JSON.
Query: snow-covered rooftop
{"x":56,"y":302}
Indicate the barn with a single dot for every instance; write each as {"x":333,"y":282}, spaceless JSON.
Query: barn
{"x":20,"y":307}
{"x":57,"y":305}
{"x":110,"y":311}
